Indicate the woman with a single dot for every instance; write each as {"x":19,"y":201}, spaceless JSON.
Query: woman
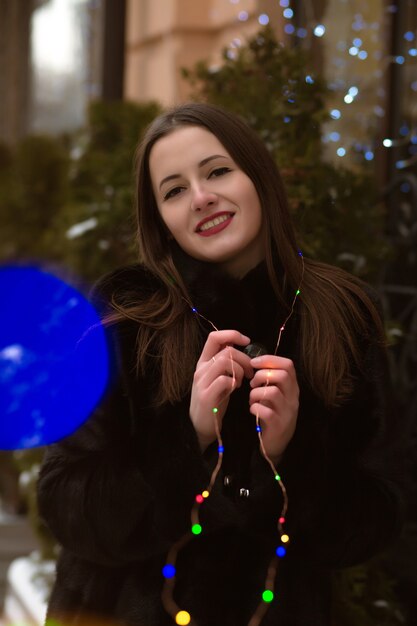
{"x":284,"y":454}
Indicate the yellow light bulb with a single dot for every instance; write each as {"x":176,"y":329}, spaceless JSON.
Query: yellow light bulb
{"x":182,"y":618}
{"x":285,"y":538}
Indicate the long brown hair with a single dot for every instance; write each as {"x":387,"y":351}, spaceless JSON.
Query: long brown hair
{"x":335,"y":311}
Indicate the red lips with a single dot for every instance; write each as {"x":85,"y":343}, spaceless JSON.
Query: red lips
{"x":217,"y":227}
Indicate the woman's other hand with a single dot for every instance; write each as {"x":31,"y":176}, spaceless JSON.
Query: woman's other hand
{"x":274,"y":398}
{"x":219,"y":371}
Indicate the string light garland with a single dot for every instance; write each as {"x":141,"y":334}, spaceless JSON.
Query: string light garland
{"x":180,"y":616}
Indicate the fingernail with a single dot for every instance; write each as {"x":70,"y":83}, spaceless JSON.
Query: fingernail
{"x":245,"y":337}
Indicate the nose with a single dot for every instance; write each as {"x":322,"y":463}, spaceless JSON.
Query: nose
{"x":202,"y":198}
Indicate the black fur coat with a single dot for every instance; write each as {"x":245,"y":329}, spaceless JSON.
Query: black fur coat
{"x":119,"y":492}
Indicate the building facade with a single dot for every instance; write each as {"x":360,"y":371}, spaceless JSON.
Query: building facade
{"x":163,"y":36}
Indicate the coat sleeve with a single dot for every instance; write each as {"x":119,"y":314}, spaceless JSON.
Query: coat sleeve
{"x":121,"y":488}
{"x":344,"y":471}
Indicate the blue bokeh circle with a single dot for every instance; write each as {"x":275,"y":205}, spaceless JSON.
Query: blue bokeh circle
{"x":54,"y":363}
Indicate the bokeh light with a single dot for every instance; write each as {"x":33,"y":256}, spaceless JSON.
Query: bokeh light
{"x":53,"y":358}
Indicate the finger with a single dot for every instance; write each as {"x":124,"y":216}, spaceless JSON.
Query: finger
{"x":270,"y":396}
{"x":218,"y":339}
{"x":272,"y":361}
{"x":219,"y":390}
{"x":227,"y":359}
{"x":262,"y":411}
{"x":222,"y":368}
{"x":279,"y":378}
{"x":235,"y":357}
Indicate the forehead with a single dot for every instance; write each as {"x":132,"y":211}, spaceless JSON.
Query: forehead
{"x":183,"y":147}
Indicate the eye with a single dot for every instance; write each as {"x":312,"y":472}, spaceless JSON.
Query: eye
{"x":173,"y":192}
{"x":219,"y":171}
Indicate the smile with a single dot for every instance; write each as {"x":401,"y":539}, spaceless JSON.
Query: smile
{"x":214,"y":225}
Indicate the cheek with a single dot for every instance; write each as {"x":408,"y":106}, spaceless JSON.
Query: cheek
{"x":165,"y":225}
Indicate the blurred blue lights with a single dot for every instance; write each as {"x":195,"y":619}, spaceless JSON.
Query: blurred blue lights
{"x":288,"y":14}
{"x":169,"y":571}
{"x":334,"y":136}
{"x":335,"y":114}
{"x":53,"y":358}
{"x":369,"y":155}
{"x":341,"y":152}
{"x":289,"y":29}
{"x":319,"y":30}
{"x":409,"y":36}
{"x":263,"y":19}
{"x":362,"y":55}
{"x":309,"y":80}
{"x":353,"y":51}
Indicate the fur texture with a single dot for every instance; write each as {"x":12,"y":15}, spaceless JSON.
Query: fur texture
{"x":118,"y":492}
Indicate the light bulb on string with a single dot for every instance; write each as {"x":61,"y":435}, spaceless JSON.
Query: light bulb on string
{"x":182,"y":617}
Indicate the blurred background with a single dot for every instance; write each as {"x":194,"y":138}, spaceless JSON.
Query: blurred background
{"x":331,"y":86}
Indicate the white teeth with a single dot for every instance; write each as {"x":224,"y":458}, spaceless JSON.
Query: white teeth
{"x":215,"y":222}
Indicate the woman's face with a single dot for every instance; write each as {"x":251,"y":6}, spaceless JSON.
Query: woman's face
{"x":209,"y":205}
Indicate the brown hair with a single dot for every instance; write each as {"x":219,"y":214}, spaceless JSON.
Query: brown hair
{"x":335,"y":309}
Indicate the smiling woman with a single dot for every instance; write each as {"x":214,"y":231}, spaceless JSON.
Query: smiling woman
{"x":210,"y":206}
{"x":170,"y":503}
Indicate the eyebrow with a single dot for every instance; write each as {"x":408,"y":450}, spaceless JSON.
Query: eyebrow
{"x":201,"y":164}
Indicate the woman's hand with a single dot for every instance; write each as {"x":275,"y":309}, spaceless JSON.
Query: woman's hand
{"x":274,"y":397}
{"x":219,"y":371}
